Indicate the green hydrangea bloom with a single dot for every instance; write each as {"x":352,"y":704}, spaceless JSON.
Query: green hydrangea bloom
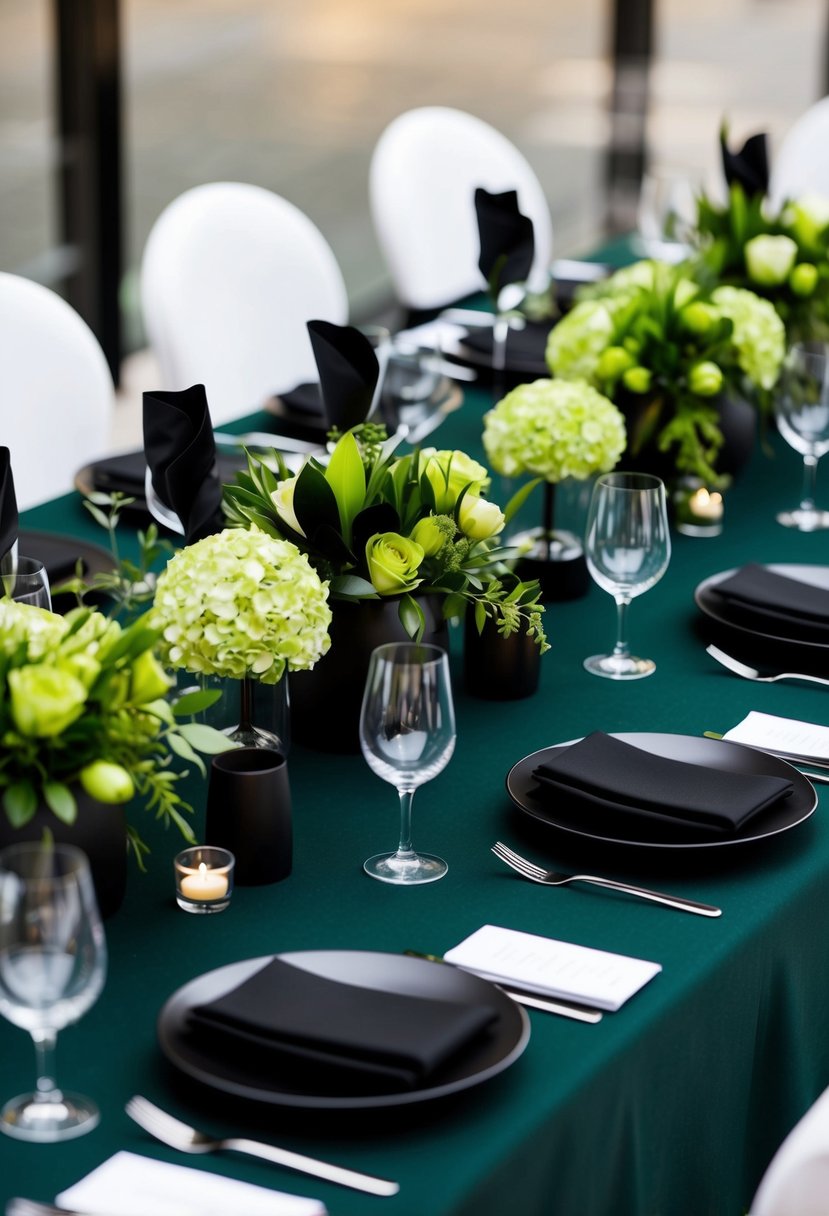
{"x":759,"y":336}
{"x":554,"y":429}
{"x":241,"y":603}
{"x":577,"y":342}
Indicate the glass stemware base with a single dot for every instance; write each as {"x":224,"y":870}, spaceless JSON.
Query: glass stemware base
{"x":805,"y":519}
{"x":619,"y":666}
{"x":47,"y":1118}
{"x":405,"y":869}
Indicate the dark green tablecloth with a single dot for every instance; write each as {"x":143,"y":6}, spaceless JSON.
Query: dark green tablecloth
{"x":671,"y":1107}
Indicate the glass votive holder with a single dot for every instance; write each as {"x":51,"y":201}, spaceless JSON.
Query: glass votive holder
{"x":204,"y":878}
{"x":698,"y":510}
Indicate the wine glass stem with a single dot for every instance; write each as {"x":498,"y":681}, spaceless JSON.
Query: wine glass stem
{"x":621,"y":647}
{"x":404,"y":848}
{"x":809,"y":483}
{"x":45,"y":1042}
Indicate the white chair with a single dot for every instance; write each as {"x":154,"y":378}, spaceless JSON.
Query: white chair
{"x":424,"y":171}
{"x":231,"y":273}
{"x":796,"y":1182}
{"x":801,"y":164}
{"x":57,"y":392}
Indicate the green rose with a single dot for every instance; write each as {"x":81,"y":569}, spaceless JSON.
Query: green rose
{"x":147,"y":680}
{"x":769,"y":259}
{"x":432,"y":533}
{"x":107,"y":782}
{"x":803,"y":279}
{"x":637,"y":380}
{"x":44,"y":699}
{"x":393,"y":563}
{"x":480,"y":519}
{"x":705,"y":379}
{"x":449,"y":472}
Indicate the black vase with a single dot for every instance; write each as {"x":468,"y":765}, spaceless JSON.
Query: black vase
{"x":737,"y":420}
{"x":99,"y":830}
{"x":326,"y":701}
{"x":496,"y":668}
{"x":249,"y":812}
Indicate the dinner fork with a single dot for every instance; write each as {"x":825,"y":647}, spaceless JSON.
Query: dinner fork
{"x":751,"y":673}
{"x":551,"y":878}
{"x":186,"y":1139}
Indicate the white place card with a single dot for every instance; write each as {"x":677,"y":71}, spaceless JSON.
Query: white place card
{"x":129,"y":1185}
{"x":552,"y":968}
{"x":784,"y":736}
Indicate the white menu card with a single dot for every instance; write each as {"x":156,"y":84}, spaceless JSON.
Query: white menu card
{"x":784,"y":736}
{"x":552,"y":968}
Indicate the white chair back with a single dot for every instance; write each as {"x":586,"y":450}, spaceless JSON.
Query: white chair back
{"x":796,"y":1182}
{"x":231,"y":273}
{"x":424,"y":171}
{"x":801,"y":164}
{"x":58,"y":397}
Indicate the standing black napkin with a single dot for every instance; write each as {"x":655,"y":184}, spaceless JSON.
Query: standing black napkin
{"x":507,"y":241}
{"x":348,"y":371}
{"x":764,"y":599}
{"x":181,"y":453}
{"x":749,"y":167}
{"x":8,"y":504}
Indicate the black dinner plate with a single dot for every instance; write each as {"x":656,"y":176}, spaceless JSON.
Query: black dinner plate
{"x":59,"y":553}
{"x":484,"y":1058}
{"x":716,"y":609}
{"x":568,"y":815}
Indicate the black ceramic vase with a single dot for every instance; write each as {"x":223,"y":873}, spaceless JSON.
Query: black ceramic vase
{"x":555,"y":559}
{"x":737,"y":418}
{"x":496,"y":668}
{"x":326,"y":701}
{"x":249,"y":812}
{"x":99,"y":830}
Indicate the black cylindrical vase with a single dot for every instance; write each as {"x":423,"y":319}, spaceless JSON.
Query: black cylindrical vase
{"x":496,"y":668}
{"x":249,"y":812}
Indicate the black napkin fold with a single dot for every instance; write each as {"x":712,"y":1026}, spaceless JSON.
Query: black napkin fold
{"x":181,"y":452}
{"x":757,"y":597}
{"x":8,"y":503}
{"x":749,"y":167}
{"x":348,"y":369}
{"x":290,"y":1016}
{"x":613,"y":776}
{"x":507,"y":240}
{"x":305,"y":399}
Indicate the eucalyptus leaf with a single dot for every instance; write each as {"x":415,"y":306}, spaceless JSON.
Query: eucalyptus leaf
{"x":20,"y":802}
{"x":61,"y":801}
{"x":204,"y":738}
{"x":196,"y":702}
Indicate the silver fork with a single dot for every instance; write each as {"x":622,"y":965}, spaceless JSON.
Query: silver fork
{"x":187,"y":1139}
{"x":551,"y":878}
{"x":751,"y":673}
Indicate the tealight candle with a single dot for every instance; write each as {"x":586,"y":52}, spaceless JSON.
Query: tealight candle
{"x":204,"y":879}
{"x":698,"y":511}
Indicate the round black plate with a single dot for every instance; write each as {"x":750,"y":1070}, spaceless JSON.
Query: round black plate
{"x":525,"y":349}
{"x":716,"y":609}
{"x":56,"y":550}
{"x":384,"y":972}
{"x":568,"y":816}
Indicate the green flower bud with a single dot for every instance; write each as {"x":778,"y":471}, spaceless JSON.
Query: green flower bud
{"x":613,"y":362}
{"x":107,"y":782}
{"x":449,"y":472}
{"x":393,"y":563}
{"x":431,"y":534}
{"x":808,"y":219}
{"x":698,"y":317}
{"x":147,"y":679}
{"x":283,"y":501}
{"x":803,"y":279}
{"x":769,"y":259}
{"x":44,"y":699}
{"x":637,"y":379}
{"x":480,"y":519}
{"x":705,"y":379}
{"x":631,"y":344}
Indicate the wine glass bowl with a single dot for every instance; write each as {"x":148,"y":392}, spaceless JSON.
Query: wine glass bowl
{"x":628,"y":548}
{"x":407,"y":735}
{"x":25,"y":580}
{"x":52,"y":968}
{"x":801,"y":409}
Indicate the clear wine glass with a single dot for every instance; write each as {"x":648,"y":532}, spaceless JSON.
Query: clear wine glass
{"x":801,"y":407}
{"x":628,"y":548}
{"x":667,"y":208}
{"x":52,"y":968}
{"x":25,"y":579}
{"x":407,"y":733}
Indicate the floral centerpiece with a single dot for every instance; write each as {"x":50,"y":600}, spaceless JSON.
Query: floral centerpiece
{"x":554,"y":430}
{"x":243,"y":605}
{"x":665,"y":349}
{"x":83,"y":706}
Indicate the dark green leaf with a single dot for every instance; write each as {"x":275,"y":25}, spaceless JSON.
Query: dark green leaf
{"x":196,"y":702}
{"x":315,"y":504}
{"x":20,"y":802}
{"x":60,"y":800}
{"x":412,"y":618}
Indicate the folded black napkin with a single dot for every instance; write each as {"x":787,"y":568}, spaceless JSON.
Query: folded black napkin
{"x":757,"y":597}
{"x":304,"y":400}
{"x":612,"y":776}
{"x":181,"y":452}
{"x":348,"y":371}
{"x":8,"y":503}
{"x":749,"y":167}
{"x":290,"y":1017}
{"x":507,"y":241}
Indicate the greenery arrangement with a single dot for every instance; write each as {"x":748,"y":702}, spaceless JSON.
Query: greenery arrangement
{"x":651,"y":332}
{"x":377,"y":525}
